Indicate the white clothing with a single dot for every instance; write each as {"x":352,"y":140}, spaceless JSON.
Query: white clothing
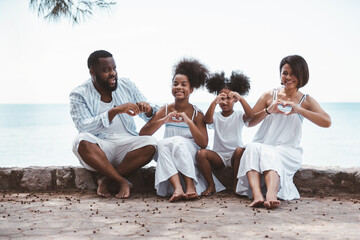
{"x":92,"y":121}
{"x":176,"y":154}
{"x":226,"y":158}
{"x":115,"y":146}
{"x":228,"y":131}
{"x":227,"y":134}
{"x":274,"y":147}
{"x":116,"y":125}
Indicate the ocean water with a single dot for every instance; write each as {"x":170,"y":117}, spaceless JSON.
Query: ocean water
{"x":41,"y":135}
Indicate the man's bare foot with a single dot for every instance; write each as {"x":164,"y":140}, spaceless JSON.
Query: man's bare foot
{"x":271,"y":201}
{"x":124,"y":191}
{"x":258,"y":201}
{"x":102,"y":189}
{"x":209,"y":190}
{"x":177,"y":195}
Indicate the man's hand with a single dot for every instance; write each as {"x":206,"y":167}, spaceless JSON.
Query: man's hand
{"x":145,"y":108}
{"x":130,"y":108}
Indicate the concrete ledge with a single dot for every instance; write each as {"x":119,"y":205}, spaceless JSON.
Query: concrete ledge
{"x":309,"y":180}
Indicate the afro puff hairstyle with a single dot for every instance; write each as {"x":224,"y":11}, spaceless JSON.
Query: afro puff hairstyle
{"x":238,"y":82}
{"x":196,"y":72}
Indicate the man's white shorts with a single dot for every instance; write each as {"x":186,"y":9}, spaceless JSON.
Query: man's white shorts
{"x":115,"y":147}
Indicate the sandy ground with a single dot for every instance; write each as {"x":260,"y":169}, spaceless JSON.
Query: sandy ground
{"x":224,"y":215}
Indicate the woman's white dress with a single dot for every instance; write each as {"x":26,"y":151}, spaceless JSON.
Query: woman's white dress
{"x":276,"y":146}
{"x":176,"y":154}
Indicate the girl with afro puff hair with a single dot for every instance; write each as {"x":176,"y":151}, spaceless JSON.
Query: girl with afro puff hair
{"x":185,"y":133}
{"x":228,"y":146}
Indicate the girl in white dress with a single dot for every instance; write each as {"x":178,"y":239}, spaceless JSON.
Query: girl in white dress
{"x":275,"y":154}
{"x":185,"y":132}
{"x":227,"y":124}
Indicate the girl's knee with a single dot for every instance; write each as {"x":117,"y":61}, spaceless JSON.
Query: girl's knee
{"x":148,"y":151}
{"x":201,"y":154}
{"x":239,"y":151}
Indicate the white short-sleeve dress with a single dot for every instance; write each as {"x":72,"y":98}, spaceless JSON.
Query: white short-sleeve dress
{"x":276,"y":146}
{"x":176,"y":154}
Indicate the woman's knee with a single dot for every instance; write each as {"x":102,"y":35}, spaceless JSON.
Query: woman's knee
{"x":271,"y":173}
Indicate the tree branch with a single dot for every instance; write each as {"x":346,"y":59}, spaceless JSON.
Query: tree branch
{"x":77,"y":11}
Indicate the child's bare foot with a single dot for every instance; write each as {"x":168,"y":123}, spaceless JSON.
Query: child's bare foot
{"x":177,"y":195}
{"x":272,"y":204}
{"x":258,"y":201}
{"x":271,"y":201}
{"x":235,"y":184}
{"x":191,"y":196}
{"x":191,"y":193}
{"x":209,"y":190}
{"x":102,"y":189}
{"x":124,"y":191}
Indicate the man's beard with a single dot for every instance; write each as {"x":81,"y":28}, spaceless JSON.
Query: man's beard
{"x":105,"y":84}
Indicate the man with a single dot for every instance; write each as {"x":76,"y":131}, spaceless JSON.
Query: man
{"x":102,"y":109}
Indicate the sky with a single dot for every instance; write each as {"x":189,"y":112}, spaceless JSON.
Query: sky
{"x":41,"y":62}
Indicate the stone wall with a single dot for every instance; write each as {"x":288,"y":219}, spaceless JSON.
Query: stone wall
{"x":309,"y":180}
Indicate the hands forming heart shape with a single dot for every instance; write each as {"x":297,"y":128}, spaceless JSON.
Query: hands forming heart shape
{"x":177,"y":119}
{"x":285,"y":109}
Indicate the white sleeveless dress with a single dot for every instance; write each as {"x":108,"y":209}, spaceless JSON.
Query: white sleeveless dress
{"x":176,"y":154}
{"x":276,"y":146}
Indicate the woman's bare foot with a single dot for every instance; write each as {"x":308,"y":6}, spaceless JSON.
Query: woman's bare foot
{"x":209,"y":190}
{"x":258,"y":201}
{"x":124,"y":191}
{"x":177,"y":195}
{"x":271,"y":201}
{"x":102,"y":189}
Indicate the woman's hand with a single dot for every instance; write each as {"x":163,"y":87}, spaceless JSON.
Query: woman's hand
{"x":282,"y":107}
{"x":273,"y":107}
{"x":287,"y":108}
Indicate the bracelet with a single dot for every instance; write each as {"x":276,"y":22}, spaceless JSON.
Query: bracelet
{"x":267,"y":111}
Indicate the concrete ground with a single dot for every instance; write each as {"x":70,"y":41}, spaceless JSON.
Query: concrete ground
{"x":83,"y":215}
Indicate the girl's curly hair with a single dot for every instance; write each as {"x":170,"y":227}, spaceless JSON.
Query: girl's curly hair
{"x":196,"y":72}
{"x":216,"y":82}
{"x":238,"y":82}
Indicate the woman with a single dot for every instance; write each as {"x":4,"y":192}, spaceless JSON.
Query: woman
{"x":275,"y":154}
